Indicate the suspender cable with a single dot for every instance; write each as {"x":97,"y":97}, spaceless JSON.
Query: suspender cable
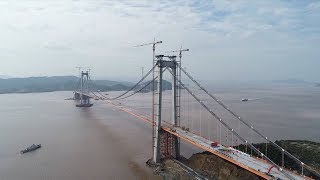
{"x":235,"y":133}
{"x":248,"y":125}
{"x":146,"y":85}
{"x":133,"y":87}
{"x":232,"y":130}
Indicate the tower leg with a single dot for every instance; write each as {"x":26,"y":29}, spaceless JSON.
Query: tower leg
{"x":175,"y":140}
{"x":157,"y":128}
{"x":165,"y":144}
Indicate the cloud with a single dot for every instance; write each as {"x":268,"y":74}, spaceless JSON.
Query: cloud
{"x":218,"y":32}
{"x":57,"y":46}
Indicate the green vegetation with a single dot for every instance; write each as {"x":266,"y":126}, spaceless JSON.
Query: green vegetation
{"x":307,"y":151}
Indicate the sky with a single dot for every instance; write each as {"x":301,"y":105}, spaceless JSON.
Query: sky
{"x":228,"y":40}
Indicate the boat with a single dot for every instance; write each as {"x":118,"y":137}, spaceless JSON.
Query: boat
{"x":33,"y":147}
{"x":244,"y":99}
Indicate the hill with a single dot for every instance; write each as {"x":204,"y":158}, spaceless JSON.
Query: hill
{"x":54,"y":83}
{"x":307,"y":151}
{"x":60,"y":83}
{"x":37,"y":84}
{"x":213,"y":167}
{"x":147,"y":86}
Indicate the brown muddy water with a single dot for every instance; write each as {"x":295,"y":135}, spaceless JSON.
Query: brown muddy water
{"x":103,"y":143}
{"x":91,"y":143}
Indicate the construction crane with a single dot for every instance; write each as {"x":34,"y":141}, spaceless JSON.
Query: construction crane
{"x":180,"y":52}
{"x":153,"y":47}
{"x":153,"y":73}
{"x":180,"y":56}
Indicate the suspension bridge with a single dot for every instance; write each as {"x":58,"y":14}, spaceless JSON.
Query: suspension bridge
{"x":173,"y":120}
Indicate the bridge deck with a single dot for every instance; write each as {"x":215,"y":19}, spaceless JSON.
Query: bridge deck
{"x":84,"y":94}
{"x":239,"y":158}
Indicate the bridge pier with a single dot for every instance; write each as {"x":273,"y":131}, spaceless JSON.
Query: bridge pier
{"x":84,"y":99}
{"x":76,"y":95}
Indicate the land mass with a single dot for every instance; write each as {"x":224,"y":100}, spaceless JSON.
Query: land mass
{"x":213,"y":167}
{"x":63,"y":83}
{"x":306,"y":151}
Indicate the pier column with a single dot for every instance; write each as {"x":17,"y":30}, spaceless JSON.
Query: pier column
{"x":76,"y":95}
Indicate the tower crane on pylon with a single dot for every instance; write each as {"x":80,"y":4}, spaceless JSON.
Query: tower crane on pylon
{"x":153,"y":47}
{"x":180,"y":52}
{"x":153,"y":75}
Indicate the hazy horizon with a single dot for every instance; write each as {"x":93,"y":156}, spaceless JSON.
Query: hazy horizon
{"x":228,"y":40}
{"x":205,"y":81}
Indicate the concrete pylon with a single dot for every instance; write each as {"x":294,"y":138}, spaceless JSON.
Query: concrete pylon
{"x":174,"y":106}
{"x":157,"y":125}
{"x":84,"y":99}
{"x":164,"y":143}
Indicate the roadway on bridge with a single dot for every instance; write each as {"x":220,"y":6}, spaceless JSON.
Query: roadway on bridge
{"x":239,"y":158}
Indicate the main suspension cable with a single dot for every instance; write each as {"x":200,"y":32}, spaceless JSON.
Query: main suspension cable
{"x":94,"y":84}
{"x":247,"y":124}
{"x":235,"y":133}
{"x":135,"y":92}
{"x":133,"y":87}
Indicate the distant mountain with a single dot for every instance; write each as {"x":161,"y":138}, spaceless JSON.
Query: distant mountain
{"x":112,"y":83}
{"x":62,"y":83}
{"x":37,"y":84}
{"x":147,"y":86}
{"x":4,"y":77}
{"x":55,"y":83}
{"x":291,"y":81}
{"x":318,"y":84}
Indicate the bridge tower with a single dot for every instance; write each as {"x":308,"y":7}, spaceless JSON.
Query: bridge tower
{"x":165,"y":144}
{"x":84,"y":90}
